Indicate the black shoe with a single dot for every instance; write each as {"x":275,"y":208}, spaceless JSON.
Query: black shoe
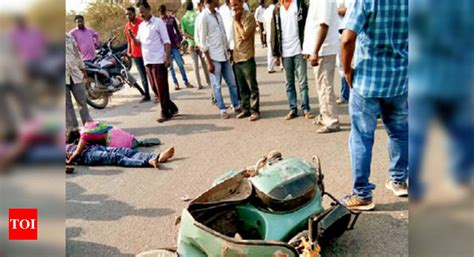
{"x":145,"y":99}
{"x":163,"y":119}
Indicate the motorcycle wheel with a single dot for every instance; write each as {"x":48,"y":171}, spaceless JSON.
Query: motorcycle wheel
{"x":97,"y":101}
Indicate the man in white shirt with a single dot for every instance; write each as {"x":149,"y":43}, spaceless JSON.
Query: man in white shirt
{"x":260,"y":20}
{"x":213,"y":43}
{"x":289,"y":18}
{"x":267,"y":18}
{"x":226,"y":13}
{"x":153,"y":37}
{"x":321,"y":45}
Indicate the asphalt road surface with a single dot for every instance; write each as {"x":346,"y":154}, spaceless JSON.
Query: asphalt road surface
{"x":114,"y":211}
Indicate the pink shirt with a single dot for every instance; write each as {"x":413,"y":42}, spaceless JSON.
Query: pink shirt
{"x":29,"y":43}
{"x":87,"y":40}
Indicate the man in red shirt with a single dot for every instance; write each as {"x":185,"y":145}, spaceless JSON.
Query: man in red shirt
{"x":135,"y":51}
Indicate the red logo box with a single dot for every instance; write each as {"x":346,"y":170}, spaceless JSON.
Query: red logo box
{"x":23,"y":224}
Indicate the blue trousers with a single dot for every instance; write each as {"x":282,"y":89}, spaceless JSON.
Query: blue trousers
{"x":142,"y":71}
{"x":344,"y":89}
{"x":455,"y":116}
{"x":225,"y":70}
{"x":363,"y":112}
{"x":296,"y":66}
{"x":111,"y":156}
{"x":176,"y":56}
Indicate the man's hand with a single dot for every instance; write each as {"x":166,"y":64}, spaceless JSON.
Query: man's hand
{"x":167,"y":62}
{"x":211,"y":67}
{"x":349,"y":76}
{"x":306,"y":56}
{"x":315,"y":60}
{"x":277,"y":61}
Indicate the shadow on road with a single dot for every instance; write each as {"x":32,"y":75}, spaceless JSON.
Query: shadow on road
{"x":178,"y":129}
{"x":82,"y":248}
{"x":102,"y":207}
{"x":380,"y":234}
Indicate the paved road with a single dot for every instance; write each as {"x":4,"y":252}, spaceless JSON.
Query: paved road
{"x":113,"y":211}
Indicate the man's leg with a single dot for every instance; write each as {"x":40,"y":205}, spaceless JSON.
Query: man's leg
{"x":71,"y":119}
{"x":168,"y":108}
{"x":194,"y":57}
{"x":79,"y":92}
{"x":229,"y":77}
{"x":420,"y":115}
{"x":289,"y":66}
{"x":204,"y":68}
{"x":324,"y":75}
{"x":243,"y":86}
{"x":270,"y":59}
{"x":133,"y":158}
{"x":301,"y":75}
{"x":456,"y":117}
{"x":173,"y":72}
{"x":141,"y":70}
{"x":99,"y":155}
{"x":152,"y":79}
{"x":251,"y":77}
{"x":394,"y":112}
{"x":180,"y":62}
{"x":363,"y":112}
{"x":216,"y":86}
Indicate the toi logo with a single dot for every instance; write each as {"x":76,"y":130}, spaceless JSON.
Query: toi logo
{"x":22,"y":224}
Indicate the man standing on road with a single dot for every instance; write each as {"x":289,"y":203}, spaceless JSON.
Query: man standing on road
{"x":321,"y":44}
{"x":75,"y":75}
{"x":87,"y":39}
{"x":260,"y":20}
{"x":175,"y":38}
{"x":288,"y":24}
{"x":226,"y":13}
{"x":244,"y":60}
{"x":267,"y":17}
{"x":135,"y":51}
{"x":153,"y":38}
{"x":342,"y":9}
{"x":214,"y":44}
{"x":379,"y":85}
{"x":187,"y":24}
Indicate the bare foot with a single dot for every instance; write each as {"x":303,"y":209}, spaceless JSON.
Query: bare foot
{"x":154,"y":163}
{"x":166,"y":155}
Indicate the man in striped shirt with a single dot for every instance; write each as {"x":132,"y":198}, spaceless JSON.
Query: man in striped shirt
{"x":379,"y":86}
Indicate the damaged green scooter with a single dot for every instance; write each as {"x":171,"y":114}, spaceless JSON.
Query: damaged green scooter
{"x":271,"y":209}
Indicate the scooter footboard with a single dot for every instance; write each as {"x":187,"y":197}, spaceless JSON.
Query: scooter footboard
{"x":333,"y":222}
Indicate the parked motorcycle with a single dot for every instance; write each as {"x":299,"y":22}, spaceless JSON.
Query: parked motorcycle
{"x":107,"y":74}
{"x":272,"y":209}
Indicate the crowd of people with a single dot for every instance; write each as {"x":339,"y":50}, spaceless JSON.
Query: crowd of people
{"x":326,"y":34}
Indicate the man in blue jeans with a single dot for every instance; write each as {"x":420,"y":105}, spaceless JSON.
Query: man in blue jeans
{"x":213,"y":43}
{"x":379,"y":85}
{"x":175,"y":38}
